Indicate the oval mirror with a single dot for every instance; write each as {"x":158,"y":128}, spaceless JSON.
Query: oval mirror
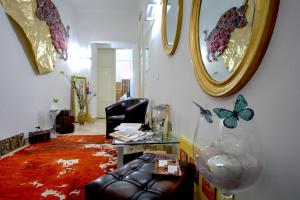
{"x":228,"y":40}
{"x":171,"y":24}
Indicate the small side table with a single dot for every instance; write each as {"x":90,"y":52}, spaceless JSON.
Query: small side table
{"x":156,"y":139}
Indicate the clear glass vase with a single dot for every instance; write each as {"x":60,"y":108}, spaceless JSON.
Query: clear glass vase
{"x":81,"y":117}
{"x":230,"y":159}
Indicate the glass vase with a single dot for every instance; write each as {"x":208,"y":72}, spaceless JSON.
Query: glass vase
{"x":81,"y":117}
{"x":230,"y":159}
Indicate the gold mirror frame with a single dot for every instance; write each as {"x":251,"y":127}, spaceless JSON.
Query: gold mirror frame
{"x":170,"y":49}
{"x":264,"y":22}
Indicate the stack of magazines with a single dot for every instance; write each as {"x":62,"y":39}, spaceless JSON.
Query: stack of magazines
{"x":128,"y":132}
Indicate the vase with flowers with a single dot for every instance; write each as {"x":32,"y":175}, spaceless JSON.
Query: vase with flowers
{"x":79,"y":98}
{"x":82,"y":94}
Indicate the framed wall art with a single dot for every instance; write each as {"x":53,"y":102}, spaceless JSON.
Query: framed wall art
{"x":228,"y":40}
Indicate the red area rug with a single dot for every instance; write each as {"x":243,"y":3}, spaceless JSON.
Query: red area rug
{"x":58,"y":169}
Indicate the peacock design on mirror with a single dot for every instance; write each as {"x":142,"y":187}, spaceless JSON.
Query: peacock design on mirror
{"x":217,"y":40}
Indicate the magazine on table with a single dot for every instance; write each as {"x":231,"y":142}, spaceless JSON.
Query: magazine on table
{"x":130,"y":135}
{"x":167,"y":164}
{"x":129,"y":126}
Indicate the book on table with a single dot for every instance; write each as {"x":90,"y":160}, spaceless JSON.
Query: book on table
{"x":167,"y":164}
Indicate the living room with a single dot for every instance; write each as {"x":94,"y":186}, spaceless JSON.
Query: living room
{"x":272,"y":92}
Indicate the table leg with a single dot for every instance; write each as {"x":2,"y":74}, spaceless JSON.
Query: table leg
{"x":120,"y":156}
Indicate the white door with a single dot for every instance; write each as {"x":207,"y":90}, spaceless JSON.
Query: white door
{"x":106,"y":79}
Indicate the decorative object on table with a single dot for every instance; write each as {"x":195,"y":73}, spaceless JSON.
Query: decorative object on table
{"x":229,"y":155}
{"x":38,"y":136}
{"x":64,"y":122}
{"x":240,"y":111}
{"x":48,"y":12}
{"x":79,"y":99}
{"x":239,"y":34}
{"x":160,"y":113}
{"x":37,"y":32}
{"x":167,"y":125}
{"x":10,"y":144}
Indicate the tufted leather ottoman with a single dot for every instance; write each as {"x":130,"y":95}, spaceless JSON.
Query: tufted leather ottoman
{"x":135,"y":181}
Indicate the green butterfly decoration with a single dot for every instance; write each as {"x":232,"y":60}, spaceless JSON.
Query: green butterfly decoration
{"x":205,"y":113}
{"x":240,"y":111}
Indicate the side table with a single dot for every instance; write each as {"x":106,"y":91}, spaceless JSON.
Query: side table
{"x":156,"y":139}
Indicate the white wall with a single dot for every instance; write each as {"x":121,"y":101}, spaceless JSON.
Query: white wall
{"x":108,"y":24}
{"x":26,"y":97}
{"x":273,"y":92}
{"x":95,"y":26}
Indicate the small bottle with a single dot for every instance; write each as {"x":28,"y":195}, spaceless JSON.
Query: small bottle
{"x":167,"y":130}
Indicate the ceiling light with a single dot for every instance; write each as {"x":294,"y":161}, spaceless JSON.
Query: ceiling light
{"x":151,"y":9}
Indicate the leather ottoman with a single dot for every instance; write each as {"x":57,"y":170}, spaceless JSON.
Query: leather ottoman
{"x":136,"y":181}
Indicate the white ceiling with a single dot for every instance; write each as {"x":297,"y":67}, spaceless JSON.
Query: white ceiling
{"x":105,"y":5}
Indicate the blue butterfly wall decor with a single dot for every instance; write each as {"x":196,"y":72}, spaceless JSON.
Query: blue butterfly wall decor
{"x":240,"y":111}
{"x":205,"y":113}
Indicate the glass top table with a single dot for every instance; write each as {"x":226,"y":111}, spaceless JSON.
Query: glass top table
{"x":156,"y":139}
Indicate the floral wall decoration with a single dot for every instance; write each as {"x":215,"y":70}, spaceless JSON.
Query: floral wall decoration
{"x":47,"y":12}
{"x":218,"y":39}
{"x":46,"y":44}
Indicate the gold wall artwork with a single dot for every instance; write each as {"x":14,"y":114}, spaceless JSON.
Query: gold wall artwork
{"x":36,"y":31}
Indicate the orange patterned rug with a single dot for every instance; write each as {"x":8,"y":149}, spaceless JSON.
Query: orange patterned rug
{"x":58,"y":169}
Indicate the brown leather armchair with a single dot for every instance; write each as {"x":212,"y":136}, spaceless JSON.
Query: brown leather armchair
{"x":127,"y":111}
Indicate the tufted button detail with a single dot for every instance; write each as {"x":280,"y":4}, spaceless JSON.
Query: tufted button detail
{"x":136,"y":181}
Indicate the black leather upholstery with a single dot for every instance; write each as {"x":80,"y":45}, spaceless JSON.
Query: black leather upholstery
{"x":64,"y":122}
{"x":127,"y":111}
{"x":136,"y":181}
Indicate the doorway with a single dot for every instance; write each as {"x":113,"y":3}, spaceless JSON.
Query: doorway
{"x":124,"y":74}
{"x":114,"y":77}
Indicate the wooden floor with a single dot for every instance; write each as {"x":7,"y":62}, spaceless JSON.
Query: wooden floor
{"x":96,"y":128}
